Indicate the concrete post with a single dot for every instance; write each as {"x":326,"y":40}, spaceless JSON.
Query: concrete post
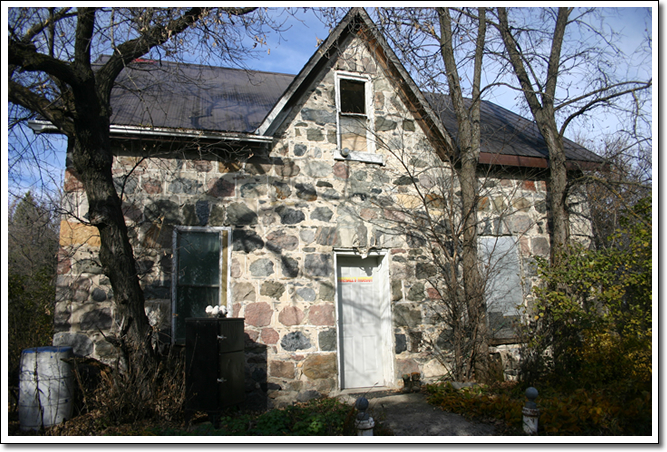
{"x":364,"y":422}
{"x":530,"y":412}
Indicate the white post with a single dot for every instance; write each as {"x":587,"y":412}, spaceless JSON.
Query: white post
{"x":364,"y":422}
{"x":530,"y":412}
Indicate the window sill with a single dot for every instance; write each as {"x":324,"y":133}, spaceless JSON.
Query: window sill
{"x":365,"y":157}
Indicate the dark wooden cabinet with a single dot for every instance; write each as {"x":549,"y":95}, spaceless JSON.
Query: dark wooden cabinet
{"x":214,"y":360}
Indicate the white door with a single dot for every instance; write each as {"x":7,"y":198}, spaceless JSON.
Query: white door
{"x":364,"y":316}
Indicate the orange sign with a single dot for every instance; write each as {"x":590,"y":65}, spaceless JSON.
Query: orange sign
{"x":355,"y":279}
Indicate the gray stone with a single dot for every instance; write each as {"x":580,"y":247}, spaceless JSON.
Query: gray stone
{"x":278,"y":241}
{"x":217,"y":216}
{"x":306,"y":192}
{"x":314,"y":135}
{"x":91,"y":266}
{"x":321,"y":214}
{"x":185,"y":186}
{"x":272,"y":289}
{"x":144,"y":266}
{"x":294,"y":341}
{"x":396,"y":288}
{"x":425,"y":270}
{"x":326,"y":291}
{"x":104,"y":349}
{"x":289,"y":266}
{"x":283,"y":190}
{"x":246,"y":240}
{"x":189,"y":216}
{"x":306,"y":293}
{"x":261,"y":267}
{"x":300,"y":150}
{"x":404,"y":180}
{"x":317,"y":169}
{"x":286,"y":168}
{"x":326,"y":236}
{"x":383,"y":124}
{"x":290,"y":216}
{"x":307,"y":235}
{"x":327,"y":340}
{"x":308,"y":395}
{"x":97,"y":319}
{"x":239,"y":214}
{"x":99,"y":294}
{"x":252,"y":190}
{"x":416,"y":292}
{"x":408,"y":125}
{"x":541,"y":207}
{"x":331,"y":195}
{"x":406,"y":317}
{"x":318,"y":265}
{"x":519,"y":223}
{"x":319,"y":117}
{"x":401,"y":343}
{"x":80,"y":343}
{"x":125,"y":184}
{"x":203,"y":210}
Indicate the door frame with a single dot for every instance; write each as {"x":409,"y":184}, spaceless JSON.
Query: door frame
{"x":386,"y":330}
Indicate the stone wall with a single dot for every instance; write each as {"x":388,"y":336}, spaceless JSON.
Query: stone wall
{"x":290,"y":206}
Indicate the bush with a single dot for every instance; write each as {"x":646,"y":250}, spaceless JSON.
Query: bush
{"x":591,"y":325}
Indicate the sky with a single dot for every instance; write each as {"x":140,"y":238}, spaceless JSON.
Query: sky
{"x":289,"y":52}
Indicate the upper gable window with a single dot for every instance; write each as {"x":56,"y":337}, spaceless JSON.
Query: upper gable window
{"x":355,"y":119}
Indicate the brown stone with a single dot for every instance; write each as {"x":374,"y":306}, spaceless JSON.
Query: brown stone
{"x":368,"y":214}
{"x":72,"y":182}
{"x":290,"y":316}
{"x":229,"y":167}
{"x":244,"y":291}
{"x":323,"y":315}
{"x":287,"y":169}
{"x":258,"y":314}
{"x":236,"y":309}
{"x":221,"y":188}
{"x":200,"y":165}
{"x":78,"y":234}
{"x":529,"y":185}
{"x":521,"y":204}
{"x":483,"y":203}
{"x":281,"y":369}
{"x":341,"y":170}
{"x":269,"y":336}
{"x":251,"y":336}
{"x":406,"y":366}
{"x":433,"y":293}
{"x":317,"y":367}
{"x":152,"y":186}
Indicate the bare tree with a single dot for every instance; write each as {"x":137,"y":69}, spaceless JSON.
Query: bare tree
{"x":52,"y":54}
{"x":541,"y":69}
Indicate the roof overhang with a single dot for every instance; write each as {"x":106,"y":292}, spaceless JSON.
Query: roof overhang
{"x":42,"y":126}
{"x":486,"y":158}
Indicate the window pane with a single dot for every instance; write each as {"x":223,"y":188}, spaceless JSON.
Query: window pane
{"x":199,"y":258}
{"x":352,"y":96}
{"x":192,"y":302}
{"x":353,"y":133}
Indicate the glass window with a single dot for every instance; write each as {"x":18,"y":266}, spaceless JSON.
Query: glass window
{"x":354,"y":120}
{"x":200,"y":277}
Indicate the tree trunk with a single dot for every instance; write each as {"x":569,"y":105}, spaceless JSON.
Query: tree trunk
{"x":92,"y":158}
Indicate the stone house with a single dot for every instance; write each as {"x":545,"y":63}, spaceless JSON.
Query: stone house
{"x":288,"y":200}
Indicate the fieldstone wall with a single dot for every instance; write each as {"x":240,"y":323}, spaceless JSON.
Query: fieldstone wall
{"x":290,"y":205}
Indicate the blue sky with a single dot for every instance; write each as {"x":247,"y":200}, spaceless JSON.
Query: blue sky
{"x":289,"y":52}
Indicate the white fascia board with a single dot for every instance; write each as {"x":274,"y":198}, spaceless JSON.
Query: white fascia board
{"x":41,"y":126}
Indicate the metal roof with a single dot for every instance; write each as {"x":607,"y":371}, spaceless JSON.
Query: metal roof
{"x":151,"y":94}
{"x":506,"y":133}
{"x":155,"y":94}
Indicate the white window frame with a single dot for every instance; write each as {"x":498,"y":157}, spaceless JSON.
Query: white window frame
{"x":174,"y":270}
{"x":369,"y":156}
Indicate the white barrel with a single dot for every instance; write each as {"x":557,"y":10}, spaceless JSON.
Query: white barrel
{"x":46,"y":387}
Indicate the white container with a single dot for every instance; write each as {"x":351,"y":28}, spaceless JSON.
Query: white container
{"x":46,"y":387}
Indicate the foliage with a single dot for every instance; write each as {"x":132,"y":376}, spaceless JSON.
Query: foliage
{"x":605,"y":411}
{"x":318,"y":417}
{"x":32,"y":244}
{"x":595,"y":306}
